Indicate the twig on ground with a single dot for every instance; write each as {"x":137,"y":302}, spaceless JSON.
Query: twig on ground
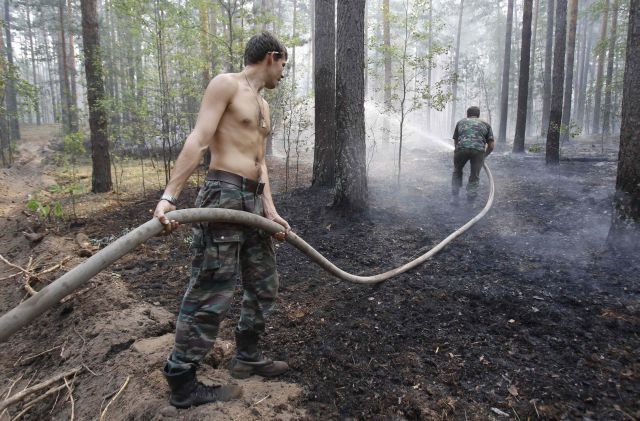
{"x":75,"y":294}
{"x":26,"y":392}
{"x":31,"y":403}
{"x":261,"y":400}
{"x":104,"y":411}
{"x":73,"y":403}
{"x":8,"y":263}
{"x":90,"y":370}
{"x":10,"y":276}
{"x":31,"y":357}
{"x":56,"y":266}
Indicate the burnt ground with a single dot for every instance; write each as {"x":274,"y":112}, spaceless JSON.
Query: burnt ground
{"x":524,"y":316}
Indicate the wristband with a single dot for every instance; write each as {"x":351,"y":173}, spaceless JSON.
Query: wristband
{"x":171,"y":199}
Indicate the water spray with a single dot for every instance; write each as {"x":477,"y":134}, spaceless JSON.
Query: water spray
{"x":30,"y":309}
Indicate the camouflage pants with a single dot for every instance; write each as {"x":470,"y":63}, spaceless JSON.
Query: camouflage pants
{"x":221,"y":254}
{"x":460,"y":158}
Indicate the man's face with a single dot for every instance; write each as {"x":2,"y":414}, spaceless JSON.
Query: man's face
{"x":277,"y":64}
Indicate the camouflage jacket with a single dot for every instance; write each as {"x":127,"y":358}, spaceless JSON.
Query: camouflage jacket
{"x":472,"y":133}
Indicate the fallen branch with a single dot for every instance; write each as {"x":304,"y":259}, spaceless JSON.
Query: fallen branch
{"x":104,"y":411}
{"x":26,"y":392}
{"x":73,"y":403}
{"x":29,"y":358}
{"x":8,"y":263}
{"x":78,"y":293}
{"x":31,"y":403}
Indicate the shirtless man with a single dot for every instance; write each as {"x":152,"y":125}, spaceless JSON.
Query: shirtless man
{"x":233,"y":124}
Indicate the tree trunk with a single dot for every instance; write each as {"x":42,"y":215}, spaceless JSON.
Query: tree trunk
{"x":555,"y":111}
{"x":606,"y":118}
{"x":325,"y":93}
{"x":33,"y":62}
{"x":71,"y":68}
{"x":386,"y":39}
{"x":12,"y":97}
{"x":597,"y":96}
{"x":568,"y":75}
{"x":548,"y":55}
{"x":5,"y":139}
{"x":429,"y":48}
{"x":581,"y":92}
{"x":351,"y":175}
{"x":532,"y":67}
{"x":506,"y":65}
{"x":454,"y":90}
{"x":203,"y":14}
{"x":625,"y":229}
{"x":523,"y":82}
{"x":64,"y":75}
{"x":52,"y":90}
{"x":101,"y":175}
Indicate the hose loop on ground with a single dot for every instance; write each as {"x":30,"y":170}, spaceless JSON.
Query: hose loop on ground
{"x":49,"y":296}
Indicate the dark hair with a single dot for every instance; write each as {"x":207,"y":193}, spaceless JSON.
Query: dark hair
{"x":260,"y":44}
{"x":473,"y":111}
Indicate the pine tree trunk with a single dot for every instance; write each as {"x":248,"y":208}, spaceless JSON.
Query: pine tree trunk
{"x":581,"y":91}
{"x":203,"y":14}
{"x":33,"y":62}
{"x":506,"y":65}
{"x":523,"y":82}
{"x":555,"y":111}
{"x":5,"y":139}
{"x":325,"y":94}
{"x":548,"y":57}
{"x":351,"y":172}
{"x":429,"y":48}
{"x":597,"y":96}
{"x":568,"y":75}
{"x":64,"y":72}
{"x":532,"y":67}
{"x":606,"y":118}
{"x":386,"y":39}
{"x":101,"y":175}
{"x":625,"y":226}
{"x":454,"y":90}
{"x":52,"y":90}
{"x":12,"y":96}
{"x":71,"y":69}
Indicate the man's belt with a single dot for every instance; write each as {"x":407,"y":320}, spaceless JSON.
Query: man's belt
{"x":239,"y":181}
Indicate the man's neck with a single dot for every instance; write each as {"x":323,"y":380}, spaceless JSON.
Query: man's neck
{"x":252,"y":75}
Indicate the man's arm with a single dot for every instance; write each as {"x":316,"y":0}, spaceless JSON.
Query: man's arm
{"x":269,"y":207}
{"x":214,"y":102}
{"x":491,"y":142}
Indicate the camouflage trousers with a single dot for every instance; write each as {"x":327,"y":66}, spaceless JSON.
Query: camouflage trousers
{"x":222,"y":253}
{"x":460,"y":158}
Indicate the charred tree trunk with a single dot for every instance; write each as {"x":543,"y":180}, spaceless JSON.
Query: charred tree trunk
{"x":568,"y":76}
{"x":12,"y":96}
{"x":597,"y":96}
{"x":454,"y":90}
{"x":581,"y":92}
{"x":325,"y":94}
{"x":523,"y":82}
{"x":555,"y":112}
{"x":548,"y":57}
{"x":532,"y":67}
{"x":101,"y":175}
{"x":606,"y":118}
{"x":506,"y":65}
{"x":625,"y":229}
{"x":351,"y":172}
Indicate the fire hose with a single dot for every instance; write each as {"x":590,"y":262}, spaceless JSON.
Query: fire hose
{"x":49,"y":296}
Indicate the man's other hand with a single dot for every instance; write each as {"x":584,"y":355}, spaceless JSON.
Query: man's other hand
{"x":168,"y":225}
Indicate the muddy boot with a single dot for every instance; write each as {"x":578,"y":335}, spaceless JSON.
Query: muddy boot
{"x":249,"y":360}
{"x":186,"y":391}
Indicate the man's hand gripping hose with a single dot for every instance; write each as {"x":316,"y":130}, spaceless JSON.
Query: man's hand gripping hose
{"x":49,"y":296}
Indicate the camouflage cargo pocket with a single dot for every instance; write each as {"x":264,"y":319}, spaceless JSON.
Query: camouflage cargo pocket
{"x":219,"y":260}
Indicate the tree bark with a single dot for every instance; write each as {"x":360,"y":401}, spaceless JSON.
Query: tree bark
{"x":71,"y":69}
{"x":555,"y":111}
{"x":429,"y":49}
{"x":5,"y":139}
{"x":581,"y":92}
{"x":548,"y":57}
{"x":597,"y":97}
{"x":325,"y":94}
{"x":386,"y":39}
{"x":568,"y":75}
{"x":351,"y":172}
{"x":12,"y":96}
{"x":101,"y":175}
{"x":454,"y":90}
{"x":33,"y":61}
{"x":64,"y":73}
{"x":606,"y":118}
{"x":532,"y":67}
{"x":506,"y":65}
{"x":523,"y":82}
{"x":625,"y":231}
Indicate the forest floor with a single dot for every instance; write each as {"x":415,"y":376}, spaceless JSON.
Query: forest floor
{"x":525,"y":316}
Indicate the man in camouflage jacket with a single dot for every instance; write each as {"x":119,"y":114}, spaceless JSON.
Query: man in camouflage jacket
{"x":473,"y":139}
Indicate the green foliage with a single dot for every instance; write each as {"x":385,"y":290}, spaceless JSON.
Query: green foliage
{"x":74,"y":144}
{"x":537,"y":148}
{"x":46,"y":210}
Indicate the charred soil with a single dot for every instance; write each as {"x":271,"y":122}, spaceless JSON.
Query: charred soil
{"x":524,"y":316}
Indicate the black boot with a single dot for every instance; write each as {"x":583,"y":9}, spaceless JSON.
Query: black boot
{"x":186,"y":391}
{"x":249,"y":360}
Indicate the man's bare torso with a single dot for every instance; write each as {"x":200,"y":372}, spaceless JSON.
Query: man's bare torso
{"x":238,"y":145}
